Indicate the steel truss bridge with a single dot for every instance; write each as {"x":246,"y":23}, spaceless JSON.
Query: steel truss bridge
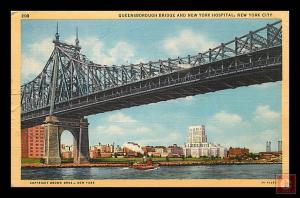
{"x":72,"y":86}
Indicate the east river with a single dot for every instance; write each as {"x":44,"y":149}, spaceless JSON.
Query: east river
{"x":249,"y":171}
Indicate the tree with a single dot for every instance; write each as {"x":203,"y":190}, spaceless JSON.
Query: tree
{"x":238,"y":158}
{"x":167,"y":158}
{"x":42,"y":160}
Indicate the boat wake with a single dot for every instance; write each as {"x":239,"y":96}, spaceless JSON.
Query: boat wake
{"x":152,"y":169}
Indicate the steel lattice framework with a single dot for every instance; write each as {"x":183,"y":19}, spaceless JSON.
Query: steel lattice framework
{"x":69,"y":77}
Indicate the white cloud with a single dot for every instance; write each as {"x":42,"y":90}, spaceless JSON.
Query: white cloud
{"x":265,"y":114}
{"x":168,"y":139}
{"x":110,"y":130}
{"x":269,"y":134}
{"x":120,"y":126}
{"x":224,"y":124}
{"x":95,"y":49}
{"x":227,"y":118}
{"x":34,"y":58}
{"x":264,"y":85}
{"x":229,"y":129}
{"x":67,"y":138}
{"x":31,"y":67}
{"x":173,"y":136}
{"x":120,"y":117}
{"x":189,"y":98}
{"x":93,"y":45}
{"x":142,"y":130}
{"x":43,"y":47}
{"x":122,"y":52}
{"x":187,"y":39}
{"x":35,"y":55}
{"x":256,"y":140}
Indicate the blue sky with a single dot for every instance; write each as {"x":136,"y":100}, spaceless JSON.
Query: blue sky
{"x":245,"y":116}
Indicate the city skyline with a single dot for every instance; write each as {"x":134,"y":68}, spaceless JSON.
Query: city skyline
{"x":247,"y":116}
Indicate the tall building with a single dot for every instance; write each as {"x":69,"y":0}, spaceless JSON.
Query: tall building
{"x":196,"y":135}
{"x":198,"y":146}
{"x":280,"y":146}
{"x":24,"y":143}
{"x":32,"y":142}
{"x":268,"y":146}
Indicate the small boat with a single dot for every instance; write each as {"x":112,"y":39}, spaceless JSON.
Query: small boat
{"x":144,"y":166}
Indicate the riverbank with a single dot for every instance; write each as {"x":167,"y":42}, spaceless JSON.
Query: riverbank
{"x":174,"y":163}
{"x":193,"y":163}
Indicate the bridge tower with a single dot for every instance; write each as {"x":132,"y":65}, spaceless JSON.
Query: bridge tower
{"x":54,"y":126}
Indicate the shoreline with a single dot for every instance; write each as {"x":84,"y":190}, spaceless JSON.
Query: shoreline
{"x":186,"y":163}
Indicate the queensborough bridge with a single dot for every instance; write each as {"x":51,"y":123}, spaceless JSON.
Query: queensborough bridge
{"x":70,"y":86}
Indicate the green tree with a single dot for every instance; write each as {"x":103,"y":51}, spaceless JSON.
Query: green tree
{"x":42,"y":160}
{"x":238,"y":158}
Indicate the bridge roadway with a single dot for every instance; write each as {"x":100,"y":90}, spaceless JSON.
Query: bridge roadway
{"x":243,"y":70}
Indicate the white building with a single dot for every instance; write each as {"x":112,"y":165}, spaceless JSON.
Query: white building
{"x":117,"y":149}
{"x":198,"y":146}
{"x":134,"y":147}
{"x":196,"y":136}
{"x":164,"y":152}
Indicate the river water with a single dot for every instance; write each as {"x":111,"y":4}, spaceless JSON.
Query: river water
{"x":253,"y":171}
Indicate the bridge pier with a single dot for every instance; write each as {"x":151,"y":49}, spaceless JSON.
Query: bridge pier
{"x":52,"y":141}
{"x":81,"y":155}
{"x":53,"y":130}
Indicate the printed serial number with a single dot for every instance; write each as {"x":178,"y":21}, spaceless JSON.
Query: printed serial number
{"x":25,"y":16}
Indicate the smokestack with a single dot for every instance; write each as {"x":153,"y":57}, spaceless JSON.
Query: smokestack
{"x":268,"y":146}
{"x":279,"y":146}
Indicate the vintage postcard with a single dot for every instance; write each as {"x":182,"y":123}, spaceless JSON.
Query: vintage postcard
{"x":150,"y":98}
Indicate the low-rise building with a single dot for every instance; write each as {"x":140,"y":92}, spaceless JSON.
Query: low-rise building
{"x":66,"y":151}
{"x":132,"y":149}
{"x":154,"y":154}
{"x":148,"y":149}
{"x":164,"y":152}
{"x":205,"y":150}
{"x":103,"y":154}
{"x":67,"y":154}
{"x":118,"y":149}
{"x":98,"y":151}
{"x":270,"y":155}
{"x":130,"y":153}
{"x":237,"y":152}
{"x":94,"y":153}
{"x":175,"y":151}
